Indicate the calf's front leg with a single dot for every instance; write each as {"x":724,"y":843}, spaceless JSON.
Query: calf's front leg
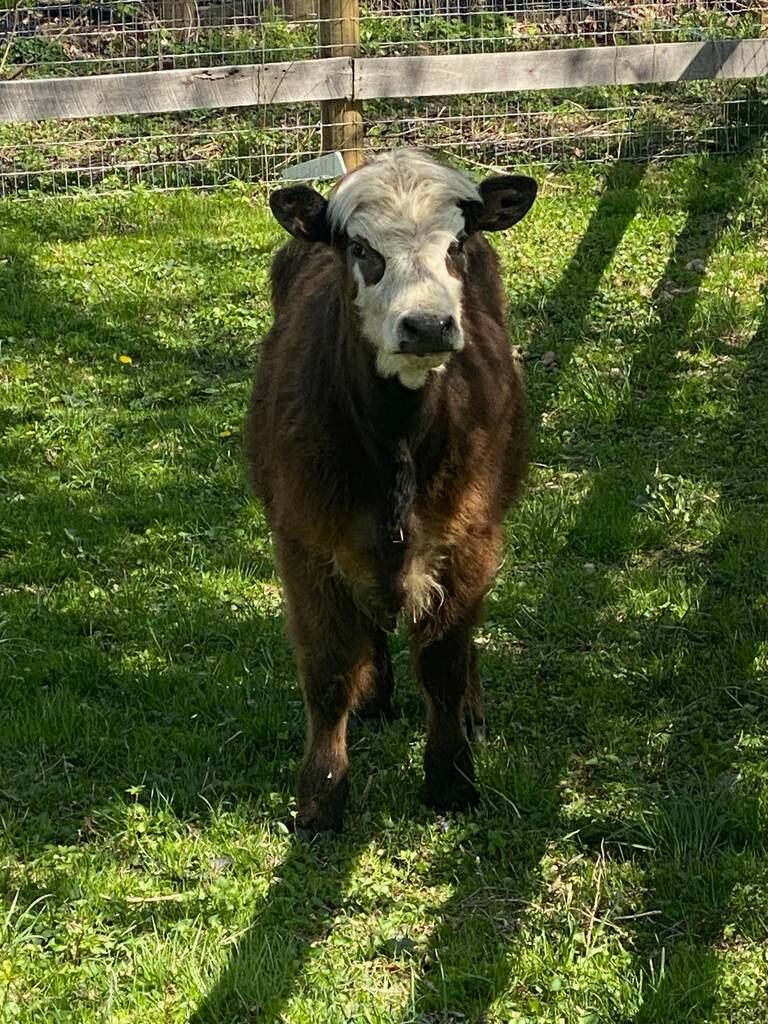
{"x":335,"y":679}
{"x":337,"y":661}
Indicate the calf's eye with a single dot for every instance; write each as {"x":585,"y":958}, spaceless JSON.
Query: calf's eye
{"x":367,"y":261}
{"x":456,"y":248}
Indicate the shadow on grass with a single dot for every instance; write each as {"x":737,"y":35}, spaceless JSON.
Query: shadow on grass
{"x":300,"y":909}
{"x":567,"y":308}
{"x":116,"y":625}
{"x":703,"y":820}
{"x":191,"y":308}
{"x":709,"y":836}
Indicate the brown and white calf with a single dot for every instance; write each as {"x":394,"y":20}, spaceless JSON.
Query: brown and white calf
{"x":386,"y":439}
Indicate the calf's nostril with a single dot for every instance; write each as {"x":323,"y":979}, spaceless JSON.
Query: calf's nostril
{"x":410,"y":325}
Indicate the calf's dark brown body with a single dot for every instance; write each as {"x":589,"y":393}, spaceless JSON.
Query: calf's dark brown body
{"x":383,"y":500}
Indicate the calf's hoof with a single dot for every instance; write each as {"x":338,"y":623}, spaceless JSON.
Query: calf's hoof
{"x":461,"y":797}
{"x":314,"y":821}
{"x":307,"y":835}
{"x":322,"y":796}
{"x":450,"y":783}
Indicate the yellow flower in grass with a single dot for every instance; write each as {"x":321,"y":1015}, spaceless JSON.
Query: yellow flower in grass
{"x":125,"y":360}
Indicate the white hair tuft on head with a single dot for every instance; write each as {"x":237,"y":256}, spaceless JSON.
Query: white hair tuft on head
{"x":402,"y":185}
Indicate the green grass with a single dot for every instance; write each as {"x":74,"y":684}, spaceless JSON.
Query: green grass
{"x":617,"y":870}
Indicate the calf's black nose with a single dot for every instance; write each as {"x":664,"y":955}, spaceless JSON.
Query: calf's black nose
{"x":422,"y":334}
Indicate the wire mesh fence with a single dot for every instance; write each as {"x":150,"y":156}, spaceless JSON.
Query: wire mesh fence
{"x":113,"y":36}
{"x":590,"y":125}
{"x":214,"y":149}
{"x":204,"y":150}
{"x":211,"y":148}
{"x":493,"y":26}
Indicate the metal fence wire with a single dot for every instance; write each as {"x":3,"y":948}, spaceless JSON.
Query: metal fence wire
{"x":207,"y":149}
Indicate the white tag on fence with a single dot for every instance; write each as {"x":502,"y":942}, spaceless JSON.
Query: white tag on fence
{"x":329,"y":166}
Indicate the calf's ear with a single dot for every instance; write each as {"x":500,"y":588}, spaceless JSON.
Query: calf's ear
{"x":303,"y":213}
{"x":505,"y":200}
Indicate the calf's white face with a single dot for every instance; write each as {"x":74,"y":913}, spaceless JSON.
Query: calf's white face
{"x":409,"y":289}
{"x":400,"y":223}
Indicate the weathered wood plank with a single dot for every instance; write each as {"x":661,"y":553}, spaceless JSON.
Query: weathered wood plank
{"x":156,"y":92}
{"x":347,"y":78}
{"x":389,"y":77}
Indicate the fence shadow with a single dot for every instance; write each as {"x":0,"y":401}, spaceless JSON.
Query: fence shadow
{"x":708,"y":836}
{"x":699,"y":825}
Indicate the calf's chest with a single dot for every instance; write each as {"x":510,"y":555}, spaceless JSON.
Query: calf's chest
{"x":389,"y":575}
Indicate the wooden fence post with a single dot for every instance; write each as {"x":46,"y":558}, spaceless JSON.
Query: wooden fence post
{"x":339,"y":29}
{"x":181,"y":17}
{"x":298,"y":10}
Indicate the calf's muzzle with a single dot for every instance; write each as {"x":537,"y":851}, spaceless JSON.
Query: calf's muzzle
{"x":422,"y":334}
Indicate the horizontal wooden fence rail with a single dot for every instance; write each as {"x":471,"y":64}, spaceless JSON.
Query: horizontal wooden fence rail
{"x":162,"y":92}
{"x":385,"y":77}
{"x":349,"y":78}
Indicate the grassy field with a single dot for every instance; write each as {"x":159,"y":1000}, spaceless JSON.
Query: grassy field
{"x":617,"y":870}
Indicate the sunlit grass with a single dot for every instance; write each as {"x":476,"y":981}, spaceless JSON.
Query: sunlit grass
{"x":616,"y":870}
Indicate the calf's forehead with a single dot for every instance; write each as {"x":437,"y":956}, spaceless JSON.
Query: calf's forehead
{"x":392,"y":233}
{"x":401,"y":198}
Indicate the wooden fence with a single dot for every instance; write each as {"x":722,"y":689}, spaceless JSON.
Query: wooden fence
{"x":341,"y":80}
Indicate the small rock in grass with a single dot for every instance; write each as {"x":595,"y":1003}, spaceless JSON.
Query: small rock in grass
{"x":549,"y":361}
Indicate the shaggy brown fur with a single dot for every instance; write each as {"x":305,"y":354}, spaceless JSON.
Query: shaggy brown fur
{"x":383,"y":500}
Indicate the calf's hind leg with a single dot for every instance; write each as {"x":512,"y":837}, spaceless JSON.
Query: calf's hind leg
{"x":443,"y":667}
{"x":376,"y":701}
